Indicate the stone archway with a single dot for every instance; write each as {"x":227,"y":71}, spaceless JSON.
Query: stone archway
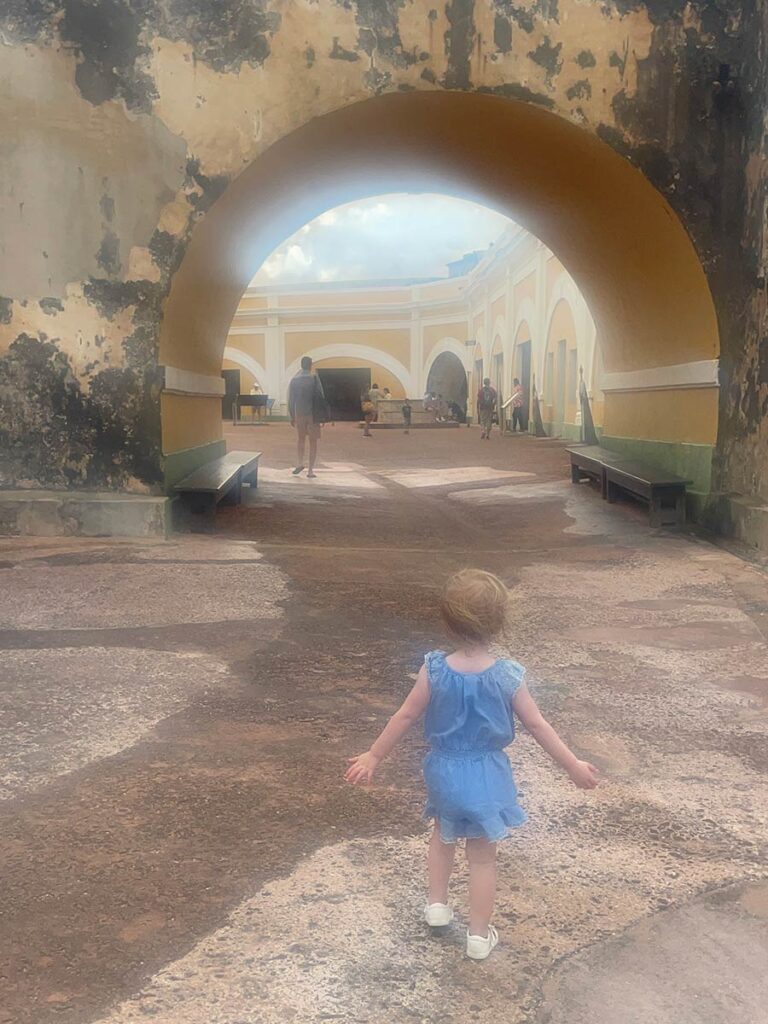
{"x":620,"y":240}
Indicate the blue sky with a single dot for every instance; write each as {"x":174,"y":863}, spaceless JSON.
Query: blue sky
{"x":389,"y":236}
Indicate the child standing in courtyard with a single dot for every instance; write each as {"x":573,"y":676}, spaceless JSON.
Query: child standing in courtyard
{"x":469,"y":698}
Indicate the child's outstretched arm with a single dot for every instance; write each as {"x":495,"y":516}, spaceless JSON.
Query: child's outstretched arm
{"x":362,"y":767}
{"x":582,"y":773}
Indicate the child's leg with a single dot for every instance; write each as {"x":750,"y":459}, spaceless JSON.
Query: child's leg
{"x":440,"y":866}
{"x":481,"y":855}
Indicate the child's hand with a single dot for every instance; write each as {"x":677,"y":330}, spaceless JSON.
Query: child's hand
{"x":583,"y":774}
{"x":361,"y":768}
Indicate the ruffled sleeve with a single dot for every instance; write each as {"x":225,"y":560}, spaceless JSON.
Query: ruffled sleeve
{"x":433,"y":660}
{"x":513,"y":676}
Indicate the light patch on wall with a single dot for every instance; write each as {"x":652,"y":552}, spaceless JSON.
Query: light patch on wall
{"x":91,"y":340}
{"x":125,"y":167}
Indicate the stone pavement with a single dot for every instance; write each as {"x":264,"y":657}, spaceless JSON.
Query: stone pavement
{"x":176,"y":841}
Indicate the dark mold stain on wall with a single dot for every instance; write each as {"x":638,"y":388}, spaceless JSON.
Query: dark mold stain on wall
{"x":57,"y":434}
{"x":106,"y":36}
{"x":111,"y":37}
{"x":339,"y":52}
{"x":108,"y":256}
{"x":224,"y":33}
{"x":586,"y":59}
{"x":51,"y":306}
{"x":547,"y":54}
{"x":502,"y":33}
{"x":112,"y":434}
{"x":379,"y":32}
{"x":521,"y":16}
{"x":6,"y":310}
{"x":581,"y":90}
{"x":459,"y":40}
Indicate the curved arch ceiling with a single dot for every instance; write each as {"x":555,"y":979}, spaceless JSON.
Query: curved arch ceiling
{"x":618,"y":237}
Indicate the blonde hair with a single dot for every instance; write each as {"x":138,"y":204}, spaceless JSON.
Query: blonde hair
{"x":475,"y":605}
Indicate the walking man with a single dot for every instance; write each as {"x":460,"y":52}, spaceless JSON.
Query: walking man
{"x":308,"y":409}
{"x":486,"y":406}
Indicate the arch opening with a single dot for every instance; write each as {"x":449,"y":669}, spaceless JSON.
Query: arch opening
{"x":448,"y":379}
{"x":621,"y":242}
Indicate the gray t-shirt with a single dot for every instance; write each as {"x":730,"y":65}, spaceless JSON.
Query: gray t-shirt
{"x":301,"y":394}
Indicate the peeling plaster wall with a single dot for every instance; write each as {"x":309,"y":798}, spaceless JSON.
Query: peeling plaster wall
{"x":126,"y":119}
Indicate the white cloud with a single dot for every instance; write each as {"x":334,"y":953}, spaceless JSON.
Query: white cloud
{"x":385,"y":237}
{"x":287,"y":262}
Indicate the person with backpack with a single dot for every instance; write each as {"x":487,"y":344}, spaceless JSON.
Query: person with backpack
{"x":486,"y":407}
{"x":308,"y":410}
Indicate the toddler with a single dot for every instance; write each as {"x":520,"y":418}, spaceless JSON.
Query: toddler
{"x":468,"y":698}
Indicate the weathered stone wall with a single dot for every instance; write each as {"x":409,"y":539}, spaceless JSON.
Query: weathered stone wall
{"x":124,"y":120}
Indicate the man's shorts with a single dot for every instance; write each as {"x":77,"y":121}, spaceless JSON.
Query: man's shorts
{"x":307,"y":427}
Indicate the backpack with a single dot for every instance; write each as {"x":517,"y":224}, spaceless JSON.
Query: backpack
{"x":486,"y":398}
{"x":321,"y":413}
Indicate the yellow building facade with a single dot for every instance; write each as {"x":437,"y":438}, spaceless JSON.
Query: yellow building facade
{"x":516,"y":313}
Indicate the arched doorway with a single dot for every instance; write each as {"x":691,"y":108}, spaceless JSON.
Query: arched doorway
{"x":448,"y":378}
{"x":617,"y":236}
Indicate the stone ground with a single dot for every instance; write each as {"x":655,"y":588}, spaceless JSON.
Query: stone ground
{"x":177,"y":842}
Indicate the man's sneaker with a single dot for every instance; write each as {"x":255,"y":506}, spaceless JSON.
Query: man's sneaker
{"x":438,"y":915}
{"x":299,"y":469}
{"x":478,"y":948}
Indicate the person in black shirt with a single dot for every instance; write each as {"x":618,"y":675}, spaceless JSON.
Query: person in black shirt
{"x":407,"y":410}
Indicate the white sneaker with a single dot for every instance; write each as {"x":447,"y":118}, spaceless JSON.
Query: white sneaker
{"x":438,"y":915}
{"x":478,"y":948}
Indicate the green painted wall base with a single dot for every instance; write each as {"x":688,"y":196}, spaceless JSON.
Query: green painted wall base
{"x":692,"y":461}
{"x":177,"y":465}
{"x":568,"y":431}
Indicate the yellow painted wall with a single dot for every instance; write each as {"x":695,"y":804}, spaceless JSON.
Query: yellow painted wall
{"x":443,"y":290}
{"x":396,"y":343}
{"x":525,"y":289}
{"x":353,"y":297}
{"x":379,"y":375}
{"x":251,"y":344}
{"x":253,"y":302}
{"x":343,"y":317}
{"x":498,"y":308}
{"x":189,"y":420}
{"x":562,"y":328}
{"x":434,"y":333}
{"x":678,"y":414}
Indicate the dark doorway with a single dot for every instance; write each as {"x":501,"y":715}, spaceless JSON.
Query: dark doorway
{"x":231,"y":391}
{"x":343,"y":389}
{"x":448,"y":378}
{"x":525,"y":377}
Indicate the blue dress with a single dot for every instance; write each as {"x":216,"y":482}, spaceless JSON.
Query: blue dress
{"x":471,"y":791}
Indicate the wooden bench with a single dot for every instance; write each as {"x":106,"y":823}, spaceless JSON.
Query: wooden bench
{"x":590,"y":460}
{"x":664,"y":492}
{"x":219,"y":481}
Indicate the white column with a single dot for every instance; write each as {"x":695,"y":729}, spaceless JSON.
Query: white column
{"x":539,"y":330}
{"x":274,"y":359}
{"x":418,"y":383}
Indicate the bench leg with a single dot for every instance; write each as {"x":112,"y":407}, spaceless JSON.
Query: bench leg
{"x":603,"y":484}
{"x":611,"y":492}
{"x":234,"y":494}
{"x":680,"y":509}
{"x":656,"y":511}
{"x":575,"y":474}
